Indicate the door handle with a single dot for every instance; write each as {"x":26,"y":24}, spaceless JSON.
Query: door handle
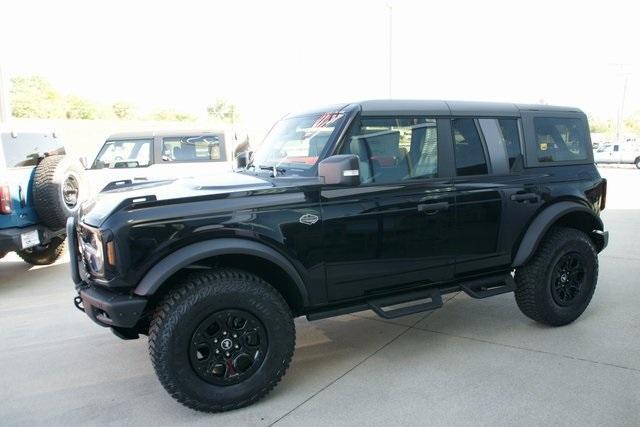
{"x":525,"y":197}
{"x":432,"y":208}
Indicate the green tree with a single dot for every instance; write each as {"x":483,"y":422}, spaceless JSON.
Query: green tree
{"x":599,"y":125}
{"x":172,"y":116}
{"x":34,"y":97}
{"x":80,"y":108}
{"x":632,"y":123}
{"x":123,"y":110}
{"x":223,"y":111}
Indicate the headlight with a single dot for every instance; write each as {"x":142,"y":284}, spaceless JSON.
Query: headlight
{"x":91,"y":248}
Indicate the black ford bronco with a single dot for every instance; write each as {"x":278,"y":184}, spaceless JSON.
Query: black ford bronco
{"x":381,"y":205}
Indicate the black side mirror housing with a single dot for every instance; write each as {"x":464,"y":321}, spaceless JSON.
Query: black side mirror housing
{"x":242,"y":159}
{"x":342,"y":169}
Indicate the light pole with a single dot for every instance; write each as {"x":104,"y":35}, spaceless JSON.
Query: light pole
{"x":620,"y":120}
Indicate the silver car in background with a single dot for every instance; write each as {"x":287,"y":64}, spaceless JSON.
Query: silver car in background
{"x":154,"y":155}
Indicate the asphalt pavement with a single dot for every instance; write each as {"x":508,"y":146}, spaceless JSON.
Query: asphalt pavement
{"x":472,"y":362}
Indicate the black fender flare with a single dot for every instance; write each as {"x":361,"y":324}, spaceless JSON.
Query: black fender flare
{"x":541,"y":224}
{"x":190,"y":254}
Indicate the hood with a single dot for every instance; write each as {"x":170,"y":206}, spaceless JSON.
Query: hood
{"x":126,"y":193}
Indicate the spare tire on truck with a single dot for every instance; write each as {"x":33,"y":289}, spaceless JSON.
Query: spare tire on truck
{"x":57,"y":189}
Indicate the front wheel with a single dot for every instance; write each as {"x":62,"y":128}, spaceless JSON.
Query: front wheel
{"x":221,"y":340}
{"x":44,"y":254}
{"x":556,"y":285}
{"x":637,"y":162}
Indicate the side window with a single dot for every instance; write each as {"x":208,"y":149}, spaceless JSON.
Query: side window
{"x":131,"y":153}
{"x":468,"y":151}
{"x":394,"y":148}
{"x":191,"y":149}
{"x":560,"y":139}
{"x":511,"y":138}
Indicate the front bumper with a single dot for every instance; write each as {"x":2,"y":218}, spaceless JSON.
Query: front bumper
{"x":110,"y":309}
{"x":106,"y":307}
{"x":10,"y":237}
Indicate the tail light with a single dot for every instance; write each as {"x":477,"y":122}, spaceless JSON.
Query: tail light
{"x":603,"y":195}
{"x":5,"y":200}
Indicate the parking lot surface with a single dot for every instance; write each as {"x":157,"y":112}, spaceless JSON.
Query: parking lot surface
{"x":471,"y":362}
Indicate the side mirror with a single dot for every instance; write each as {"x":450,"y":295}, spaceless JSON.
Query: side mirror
{"x":84,"y":162}
{"x":343,"y":169}
{"x":242,"y":159}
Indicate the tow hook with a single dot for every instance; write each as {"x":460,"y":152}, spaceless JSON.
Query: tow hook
{"x":77,"y":301}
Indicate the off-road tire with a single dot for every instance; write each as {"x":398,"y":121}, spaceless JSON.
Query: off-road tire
{"x":43,"y":254}
{"x":48,"y":186}
{"x":180,"y":312}
{"x":534,"y":280}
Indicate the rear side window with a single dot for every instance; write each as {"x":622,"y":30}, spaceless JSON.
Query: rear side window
{"x":192,"y":149}
{"x":469,"y":154}
{"x":511,"y":138}
{"x":560,"y":139}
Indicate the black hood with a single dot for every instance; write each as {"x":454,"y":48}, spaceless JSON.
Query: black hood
{"x":94,"y":212}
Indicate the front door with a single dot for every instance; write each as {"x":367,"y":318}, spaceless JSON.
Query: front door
{"x":395,"y":229}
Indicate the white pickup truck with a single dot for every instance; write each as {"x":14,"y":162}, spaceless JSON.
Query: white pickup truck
{"x":160,"y":155}
{"x":624,"y":152}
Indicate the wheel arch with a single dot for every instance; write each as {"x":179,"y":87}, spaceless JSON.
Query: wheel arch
{"x":249,"y":255}
{"x":566,"y":214}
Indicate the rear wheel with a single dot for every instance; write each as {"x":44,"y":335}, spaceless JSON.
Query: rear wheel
{"x":556,"y":285}
{"x":637,"y":162}
{"x":2,"y":254}
{"x":43,"y":254}
{"x":221,"y":340}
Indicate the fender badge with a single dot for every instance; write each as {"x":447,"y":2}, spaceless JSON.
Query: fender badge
{"x":308,"y":219}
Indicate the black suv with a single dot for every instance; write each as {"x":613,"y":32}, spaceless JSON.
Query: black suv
{"x":382,"y":205}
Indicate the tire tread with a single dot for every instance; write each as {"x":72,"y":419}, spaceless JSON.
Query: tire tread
{"x":191,"y":288}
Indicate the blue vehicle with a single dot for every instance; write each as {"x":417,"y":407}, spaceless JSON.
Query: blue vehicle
{"x":39,"y":190}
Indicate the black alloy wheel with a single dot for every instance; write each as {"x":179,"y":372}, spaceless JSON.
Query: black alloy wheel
{"x":567,"y":278}
{"x":228,"y":347}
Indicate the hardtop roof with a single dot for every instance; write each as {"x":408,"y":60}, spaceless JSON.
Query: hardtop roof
{"x":437,"y":107}
{"x":456,"y":107}
{"x":163,"y":133}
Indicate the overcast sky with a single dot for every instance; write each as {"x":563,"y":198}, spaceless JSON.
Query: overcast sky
{"x":271,"y":57}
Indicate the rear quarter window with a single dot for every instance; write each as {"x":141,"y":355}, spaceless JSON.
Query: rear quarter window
{"x":559,"y":139}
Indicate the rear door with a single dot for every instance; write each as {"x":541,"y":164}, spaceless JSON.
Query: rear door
{"x":479,"y":201}
{"x":518,"y":190}
{"x":394,"y":229}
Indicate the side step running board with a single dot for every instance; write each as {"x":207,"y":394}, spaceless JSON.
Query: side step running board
{"x":477,"y":288}
{"x":489,"y":286}
{"x":432,"y":294}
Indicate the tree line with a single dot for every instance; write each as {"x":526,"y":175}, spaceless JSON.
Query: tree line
{"x":36,"y":98}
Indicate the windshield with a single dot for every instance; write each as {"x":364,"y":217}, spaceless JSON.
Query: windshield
{"x":132,"y":153}
{"x":294,"y":144}
{"x":24,"y":149}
